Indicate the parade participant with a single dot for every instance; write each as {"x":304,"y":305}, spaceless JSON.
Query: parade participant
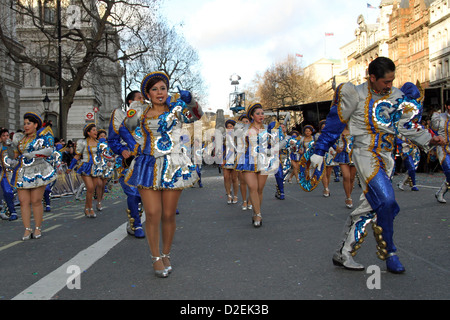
{"x":33,"y":171}
{"x":230,"y":176}
{"x":411,"y":157}
{"x":295,"y":154}
{"x":246,"y":202}
{"x":134,"y":224}
{"x":159,"y":170}
{"x":6,"y":152}
{"x":259,"y":157}
{"x":104,"y":165}
{"x":68,"y":153}
{"x":56,"y":159}
{"x":344,"y":158}
{"x":330,"y":164}
{"x":86,"y":150}
{"x":198,"y":149}
{"x":283,"y":168}
{"x":440,"y":122}
{"x":307,"y":139}
{"x":375,"y":113}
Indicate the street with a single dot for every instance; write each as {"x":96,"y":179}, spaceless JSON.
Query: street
{"x":218,"y":254}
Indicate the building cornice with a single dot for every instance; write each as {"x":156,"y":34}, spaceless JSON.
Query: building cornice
{"x":442,"y":19}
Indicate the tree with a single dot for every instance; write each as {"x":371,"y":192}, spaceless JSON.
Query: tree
{"x":285,"y":84}
{"x":171,"y":53}
{"x":89,"y":31}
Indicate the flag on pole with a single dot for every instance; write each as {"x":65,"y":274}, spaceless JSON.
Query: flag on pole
{"x":299,"y":55}
{"x":329,"y":34}
{"x":369,"y":6}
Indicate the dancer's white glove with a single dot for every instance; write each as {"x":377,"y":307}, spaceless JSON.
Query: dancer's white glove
{"x":316,"y":161}
{"x":11,"y":162}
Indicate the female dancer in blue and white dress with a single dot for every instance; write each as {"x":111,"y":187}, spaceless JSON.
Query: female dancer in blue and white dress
{"x":330,"y":164}
{"x":246,"y":202}
{"x":410,"y":154}
{"x":284,"y":167}
{"x":344,"y":158}
{"x":441,"y":124}
{"x":259,"y":157}
{"x":230,"y":176}
{"x":160,"y":170}
{"x":295,"y":154}
{"x":33,"y":171}
{"x":197,"y":150}
{"x":307,"y":140}
{"x":105,"y":161}
{"x":6,"y":152}
{"x":86,"y":150}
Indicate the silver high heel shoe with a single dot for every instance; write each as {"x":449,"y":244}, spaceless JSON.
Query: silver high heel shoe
{"x":169,"y":268}
{"x":91,"y":215}
{"x":257,"y":224}
{"x":99,"y":206}
{"x":38,"y":236}
{"x":349,"y":203}
{"x":159,"y":273}
{"x":28,"y":237}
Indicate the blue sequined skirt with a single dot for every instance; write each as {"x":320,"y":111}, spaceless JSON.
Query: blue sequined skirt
{"x":343,"y":158}
{"x":245,"y":162}
{"x":258,"y":163}
{"x":88,"y":169}
{"x":39,"y":173}
{"x":174,"y":172}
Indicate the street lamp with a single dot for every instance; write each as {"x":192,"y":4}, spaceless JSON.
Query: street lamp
{"x":235,"y":79}
{"x":237,"y":100}
{"x":46,"y":102}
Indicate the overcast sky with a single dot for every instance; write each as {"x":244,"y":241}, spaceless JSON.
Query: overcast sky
{"x":248,"y":36}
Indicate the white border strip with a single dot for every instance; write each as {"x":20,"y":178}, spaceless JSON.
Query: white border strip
{"x":51,"y":284}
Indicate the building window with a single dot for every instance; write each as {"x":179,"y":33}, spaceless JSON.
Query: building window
{"x":445,"y":40}
{"x":47,"y":81}
{"x":439,"y":71}
{"x":47,"y":11}
{"x":433,"y":72}
{"x":446,"y":70}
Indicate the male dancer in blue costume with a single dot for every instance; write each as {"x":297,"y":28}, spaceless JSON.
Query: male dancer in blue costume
{"x":114,"y":141}
{"x":375,"y":113}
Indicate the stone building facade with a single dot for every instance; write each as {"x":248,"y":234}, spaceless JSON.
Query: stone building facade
{"x":9,"y":73}
{"x":100,"y":91}
{"x":408,"y":43}
{"x":439,"y":40}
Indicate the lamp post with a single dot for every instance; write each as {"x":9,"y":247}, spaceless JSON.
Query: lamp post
{"x":236,"y":98}
{"x":62,"y":132}
{"x":46,"y":102}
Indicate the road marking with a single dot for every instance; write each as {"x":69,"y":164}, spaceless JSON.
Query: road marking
{"x":52,"y":228}
{"x":429,"y":187}
{"x":51,"y":216}
{"x":79,"y":216}
{"x":424,"y":260}
{"x":51,"y":284}
{"x":12,"y":244}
